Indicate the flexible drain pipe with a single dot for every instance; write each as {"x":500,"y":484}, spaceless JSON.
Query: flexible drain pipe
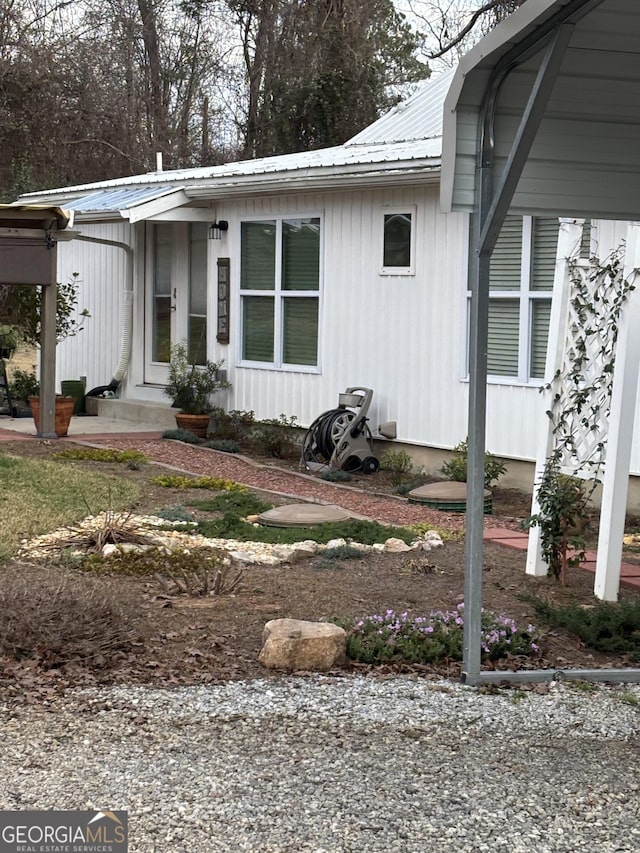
{"x":126,"y":309}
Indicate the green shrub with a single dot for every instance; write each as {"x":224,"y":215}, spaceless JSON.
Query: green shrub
{"x":400,"y":464}
{"x":234,"y":425}
{"x":216,"y":484}
{"x":277,"y":437}
{"x":613,"y":628}
{"x":434,"y":638}
{"x":175,"y":513}
{"x":240,"y":504}
{"x":102,"y":454}
{"x":231,"y":526}
{"x":337,"y":476}
{"x":23,"y":385}
{"x":226,"y":445}
{"x":456,"y":467}
{"x":181,"y":435}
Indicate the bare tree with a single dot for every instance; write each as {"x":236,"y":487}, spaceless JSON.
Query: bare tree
{"x":451,"y":27}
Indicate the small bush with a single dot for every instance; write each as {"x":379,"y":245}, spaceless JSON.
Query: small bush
{"x":226,"y":445}
{"x":216,"y":484}
{"x":336,"y":476}
{"x":456,"y":467}
{"x":181,"y":435}
{"x":153,"y":561}
{"x":234,"y":425}
{"x":102,"y":454}
{"x":613,"y":628}
{"x":239,"y":504}
{"x":56,"y":621}
{"x":400,"y":464}
{"x":277,"y":437}
{"x":342,"y":552}
{"x":175,"y":513}
{"x":435,"y":638}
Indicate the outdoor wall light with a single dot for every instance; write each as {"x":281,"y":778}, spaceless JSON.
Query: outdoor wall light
{"x":216,"y":229}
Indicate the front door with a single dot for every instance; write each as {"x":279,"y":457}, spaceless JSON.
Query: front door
{"x":176,"y":287}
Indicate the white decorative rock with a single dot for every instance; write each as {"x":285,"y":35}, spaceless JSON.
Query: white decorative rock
{"x":335,"y":543}
{"x":396,"y":546}
{"x":293,"y":644}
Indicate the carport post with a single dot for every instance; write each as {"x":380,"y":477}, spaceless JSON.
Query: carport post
{"x":492,"y":206}
{"x":48,"y":355}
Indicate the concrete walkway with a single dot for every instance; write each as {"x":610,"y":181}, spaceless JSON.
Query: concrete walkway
{"x":93,"y":427}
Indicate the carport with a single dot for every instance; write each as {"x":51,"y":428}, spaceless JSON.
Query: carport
{"x":542,"y":117}
{"x":28,"y":258}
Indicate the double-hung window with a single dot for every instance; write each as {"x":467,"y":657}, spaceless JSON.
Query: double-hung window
{"x":280,"y":291}
{"x":520,"y":291}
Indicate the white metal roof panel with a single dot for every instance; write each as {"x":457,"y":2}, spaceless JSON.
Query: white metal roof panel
{"x":117,"y":199}
{"x":338,"y":162}
{"x":419,"y":117}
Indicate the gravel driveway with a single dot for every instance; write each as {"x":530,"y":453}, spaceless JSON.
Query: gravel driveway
{"x":338,"y":764}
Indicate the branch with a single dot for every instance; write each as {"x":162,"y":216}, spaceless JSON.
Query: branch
{"x":109,"y":145}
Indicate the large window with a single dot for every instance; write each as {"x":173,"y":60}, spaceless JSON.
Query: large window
{"x":521,"y":286}
{"x":280,"y":290}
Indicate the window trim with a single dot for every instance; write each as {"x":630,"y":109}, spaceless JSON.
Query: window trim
{"x":278,"y":294}
{"x":526,"y":297}
{"x":387,"y":210}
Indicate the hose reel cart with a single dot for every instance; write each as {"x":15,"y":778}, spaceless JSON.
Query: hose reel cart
{"x":340,"y":439}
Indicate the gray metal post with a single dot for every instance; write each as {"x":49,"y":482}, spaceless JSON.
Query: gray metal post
{"x":491,"y":208}
{"x":48,"y":358}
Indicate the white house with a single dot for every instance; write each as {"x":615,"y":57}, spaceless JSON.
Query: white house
{"x":332,"y":268}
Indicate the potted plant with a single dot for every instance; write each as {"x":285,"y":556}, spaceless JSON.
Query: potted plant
{"x":22,"y":386}
{"x":191,"y":387}
{"x":24,"y":310}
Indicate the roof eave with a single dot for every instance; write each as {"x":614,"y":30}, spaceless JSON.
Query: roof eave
{"x":511,"y":33}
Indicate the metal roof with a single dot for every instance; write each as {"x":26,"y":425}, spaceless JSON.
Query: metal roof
{"x":584,"y":158}
{"x":419,"y":117}
{"x":405,"y":141}
{"x":116,"y":199}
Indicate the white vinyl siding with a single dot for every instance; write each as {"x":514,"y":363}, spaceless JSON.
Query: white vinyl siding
{"x":280,"y":292}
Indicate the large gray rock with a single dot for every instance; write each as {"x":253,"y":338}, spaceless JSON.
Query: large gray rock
{"x":293,"y":644}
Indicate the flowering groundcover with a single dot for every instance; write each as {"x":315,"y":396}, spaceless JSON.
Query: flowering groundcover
{"x":434,"y":638}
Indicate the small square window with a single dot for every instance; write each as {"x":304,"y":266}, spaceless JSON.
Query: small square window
{"x":398,"y":242}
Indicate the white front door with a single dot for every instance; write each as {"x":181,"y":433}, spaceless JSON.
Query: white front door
{"x":176,"y":291}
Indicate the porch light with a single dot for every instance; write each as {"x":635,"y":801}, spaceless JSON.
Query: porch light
{"x":216,"y":229}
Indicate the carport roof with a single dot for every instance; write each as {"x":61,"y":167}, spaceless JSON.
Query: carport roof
{"x":584,"y":159}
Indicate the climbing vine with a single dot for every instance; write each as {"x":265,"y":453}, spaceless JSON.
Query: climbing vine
{"x":579,"y":410}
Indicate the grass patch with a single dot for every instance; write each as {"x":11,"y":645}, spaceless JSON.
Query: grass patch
{"x":37,"y":496}
{"x":613,"y":628}
{"x":239,"y":504}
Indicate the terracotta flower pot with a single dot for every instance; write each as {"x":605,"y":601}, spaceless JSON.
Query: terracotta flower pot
{"x":63,"y":413}
{"x":197,"y":424}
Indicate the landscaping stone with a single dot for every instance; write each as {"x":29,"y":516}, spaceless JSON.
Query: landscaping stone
{"x":293,"y":644}
{"x":396,"y":546}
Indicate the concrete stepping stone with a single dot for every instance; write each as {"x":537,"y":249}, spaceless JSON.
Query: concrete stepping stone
{"x":302,"y":515}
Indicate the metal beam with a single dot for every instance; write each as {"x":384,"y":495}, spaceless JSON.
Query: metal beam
{"x":525,"y":135}
{"x":492,"y":206}
{"x":525,"y":676}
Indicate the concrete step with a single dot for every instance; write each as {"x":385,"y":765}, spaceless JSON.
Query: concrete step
{"x":160,"y":415}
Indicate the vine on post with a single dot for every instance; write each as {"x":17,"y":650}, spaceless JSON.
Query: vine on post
{"x":579,"y":410}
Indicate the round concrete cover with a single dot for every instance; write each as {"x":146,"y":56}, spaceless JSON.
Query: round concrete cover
{"x":445,"y":492}
{"x":302,"y":515}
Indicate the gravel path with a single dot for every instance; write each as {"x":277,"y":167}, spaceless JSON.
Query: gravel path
{"x":336,"y":765}
{"x":200,"y":460}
